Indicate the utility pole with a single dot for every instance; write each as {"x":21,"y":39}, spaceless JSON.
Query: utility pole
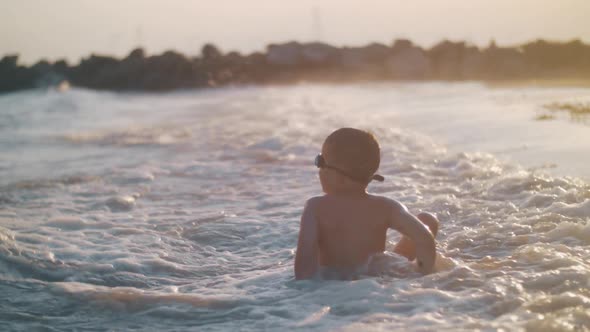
{"x":317,"y":29}
{"x":139,"y":36}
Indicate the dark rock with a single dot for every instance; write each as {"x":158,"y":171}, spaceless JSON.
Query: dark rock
{"x":46,"y":75}
{"x":14,"y":77}
{"x":318,"y":53}
{"x":288,"y":54}
{"x":97,"y":72}
{"x":447,"y":59}
{"x":170,"y":70}
{"x":362,"y":57}
{"x":473,"y":63}
{"x":9,"y":61}
{"x":137,"y":54}
{"x":408,"y":61}
{"x":555,"y":59}
{"x":293,"y":61}
{"x":210,"y":52}
{"x":503,"y":63}
{"x":402,"y":44}
{"x":61,"y":67}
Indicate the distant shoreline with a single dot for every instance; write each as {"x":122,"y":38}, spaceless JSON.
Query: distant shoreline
{"x":535,"y":63}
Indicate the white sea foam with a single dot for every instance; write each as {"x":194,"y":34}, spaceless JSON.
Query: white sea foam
{"x":137,"y":299}
{"x":180,"y":211}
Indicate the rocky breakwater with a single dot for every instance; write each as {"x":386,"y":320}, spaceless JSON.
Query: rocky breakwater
{"x":293,"y":62}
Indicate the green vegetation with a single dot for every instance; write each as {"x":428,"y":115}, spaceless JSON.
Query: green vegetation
{"x":577,"y":111}
{"x":573,"y":108}
{"x":543,"y":117}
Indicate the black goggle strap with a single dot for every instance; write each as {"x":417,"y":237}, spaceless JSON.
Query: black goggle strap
{"x":320,"y":162}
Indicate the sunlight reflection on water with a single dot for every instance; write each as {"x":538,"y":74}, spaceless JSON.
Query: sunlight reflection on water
{"x":180,"y":211}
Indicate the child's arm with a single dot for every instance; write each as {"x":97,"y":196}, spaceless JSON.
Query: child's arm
{"x":407,"y":224}
{"x":306,"y":258}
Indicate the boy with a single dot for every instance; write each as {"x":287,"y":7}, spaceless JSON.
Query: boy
{"x":341,"y":230}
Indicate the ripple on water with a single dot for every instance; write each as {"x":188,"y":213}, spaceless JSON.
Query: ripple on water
{"x":67,"y":223}
{"x":134,"y":299}
{"x":195,"y":225}
{"x":120,"y":203}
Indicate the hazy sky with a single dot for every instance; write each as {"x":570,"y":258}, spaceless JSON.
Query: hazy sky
{"x":75,"y":28}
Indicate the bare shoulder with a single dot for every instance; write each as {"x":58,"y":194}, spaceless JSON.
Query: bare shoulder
{"x":313,"y":202}
{"x":389,"y":204}
{"x":391,"y":209}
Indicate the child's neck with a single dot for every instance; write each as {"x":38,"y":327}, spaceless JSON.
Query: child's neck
{"x":349,"y":191}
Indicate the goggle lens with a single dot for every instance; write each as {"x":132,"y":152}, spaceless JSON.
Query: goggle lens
{"x":319,"y":161}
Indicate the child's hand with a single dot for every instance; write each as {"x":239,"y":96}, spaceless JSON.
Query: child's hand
{"x":407,"y":224}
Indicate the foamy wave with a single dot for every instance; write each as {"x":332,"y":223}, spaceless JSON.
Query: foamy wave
{"x":67,"y":223}
{"x":580,"y":210}
{"x":120,"y":203}
{"x":566,"y":319}
{"x":138,"y":299}
{"x":49,"y":183}
{"x":6,"y":235}
{"x":202,"y":230}
{"x":132,"y":136}
{"x":564,"y":230}
{"x":17,"y":261}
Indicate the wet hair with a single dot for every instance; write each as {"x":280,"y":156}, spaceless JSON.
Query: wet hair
{"x":354,"y":151}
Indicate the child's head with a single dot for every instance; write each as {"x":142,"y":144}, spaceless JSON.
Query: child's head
{"x":351,"y":158}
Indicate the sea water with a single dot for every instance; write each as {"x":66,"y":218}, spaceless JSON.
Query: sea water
{"x":180,"y":211}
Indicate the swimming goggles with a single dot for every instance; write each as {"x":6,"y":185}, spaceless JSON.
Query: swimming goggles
{"x":320,"y":162}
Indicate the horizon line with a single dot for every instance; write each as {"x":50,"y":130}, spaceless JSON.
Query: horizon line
{"x":342,"y":46}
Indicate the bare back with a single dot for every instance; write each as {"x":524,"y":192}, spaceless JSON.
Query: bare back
{"x":340,"y":231}
{"x":351,"y":229}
